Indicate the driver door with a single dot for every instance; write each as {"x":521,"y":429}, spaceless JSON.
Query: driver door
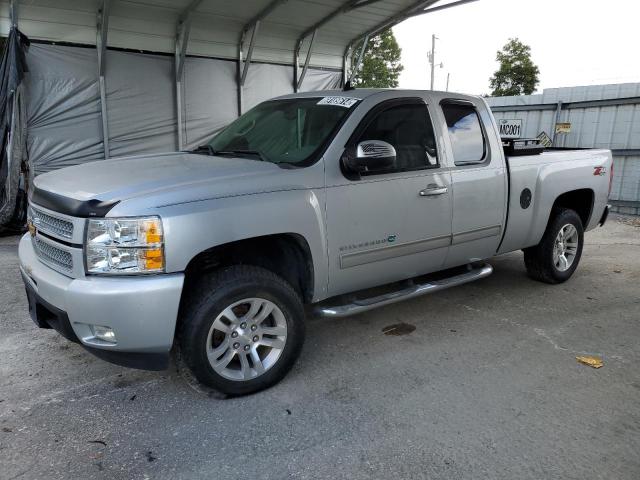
{"x":394,"y":224}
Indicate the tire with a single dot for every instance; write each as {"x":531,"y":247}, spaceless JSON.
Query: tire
{"x":542,"y":262}
{"x":249,"y":303}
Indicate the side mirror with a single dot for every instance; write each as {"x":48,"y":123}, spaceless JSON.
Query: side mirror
{"x":371,"y":156}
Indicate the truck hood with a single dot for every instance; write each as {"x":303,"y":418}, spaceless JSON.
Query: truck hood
{"x":124,"y":178}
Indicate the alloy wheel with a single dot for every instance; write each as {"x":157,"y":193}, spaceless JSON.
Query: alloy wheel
{"x":565,"y":247}
{"x":246,"y":339}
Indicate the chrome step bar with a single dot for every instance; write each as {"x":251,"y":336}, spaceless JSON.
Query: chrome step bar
{"x":414,"y":290}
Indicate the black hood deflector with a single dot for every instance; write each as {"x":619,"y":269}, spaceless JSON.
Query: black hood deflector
{"x":72,"y":206}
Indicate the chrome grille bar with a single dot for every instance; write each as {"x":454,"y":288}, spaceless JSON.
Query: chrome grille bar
{"x":50,"y":224}
{"x":54,"y":256}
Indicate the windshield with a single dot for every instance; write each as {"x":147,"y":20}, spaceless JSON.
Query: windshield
{"x":281,"y":131}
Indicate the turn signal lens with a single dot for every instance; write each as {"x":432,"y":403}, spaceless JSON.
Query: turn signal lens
{"x":152,"y":230}
{"x":153,"y":259}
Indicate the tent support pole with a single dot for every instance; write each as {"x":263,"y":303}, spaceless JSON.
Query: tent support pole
{"x":243,"y":67}
{"x":356,"y":67}
{"x":182,"y":40}
{"x":183,"y":30}
{"x":345,"y":65}
{"x":101,"y":47}
{"x":296,"y":64}
{"x":13,"y":13}
{"x":347,"y":7}
{"x":239,"y":78}
{"x":252,"y":44}
{"x":306,"y":61}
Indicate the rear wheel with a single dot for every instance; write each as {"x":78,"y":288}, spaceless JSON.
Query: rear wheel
{"x":241,"y":329}
{"x":557,"y":255}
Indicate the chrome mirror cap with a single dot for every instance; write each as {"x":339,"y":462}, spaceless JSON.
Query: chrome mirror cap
{"x":375,"y":149}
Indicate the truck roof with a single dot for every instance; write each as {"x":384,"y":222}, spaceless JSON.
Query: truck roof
{"x":362,"y":93}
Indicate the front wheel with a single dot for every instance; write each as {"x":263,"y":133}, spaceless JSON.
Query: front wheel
{"x":241,"y":329}
{"x":557,"y":255}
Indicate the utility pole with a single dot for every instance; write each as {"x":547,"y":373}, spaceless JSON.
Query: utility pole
{"x":448,"y":74}
{"x":432,"y":58}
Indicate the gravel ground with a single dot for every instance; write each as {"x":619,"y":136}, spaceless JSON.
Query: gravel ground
{"x":487,"y":386}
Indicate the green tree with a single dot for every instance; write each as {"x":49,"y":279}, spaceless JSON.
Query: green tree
{"x":517,"y":75}
{"x":381,"y":63}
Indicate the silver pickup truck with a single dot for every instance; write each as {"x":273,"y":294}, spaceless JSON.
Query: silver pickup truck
{"x":299,"y":207}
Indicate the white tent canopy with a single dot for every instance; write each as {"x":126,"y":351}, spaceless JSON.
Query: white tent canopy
{"x":120,"y":77}
{"x":111,"y":78}
{"x":217,"y":26}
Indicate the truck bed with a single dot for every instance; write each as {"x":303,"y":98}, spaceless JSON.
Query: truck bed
{"x":536,"y":181}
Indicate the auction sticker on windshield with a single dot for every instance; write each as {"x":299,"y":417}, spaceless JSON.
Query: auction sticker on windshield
{"x":346,"y":102}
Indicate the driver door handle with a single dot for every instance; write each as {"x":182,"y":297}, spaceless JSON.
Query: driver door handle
{"x":433,"y":189}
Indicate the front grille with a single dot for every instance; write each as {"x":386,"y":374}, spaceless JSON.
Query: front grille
{"x":53,"y":255}
{"x":50,"y":224}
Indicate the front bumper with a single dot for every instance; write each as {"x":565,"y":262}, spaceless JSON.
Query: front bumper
{"x":142,"y":310}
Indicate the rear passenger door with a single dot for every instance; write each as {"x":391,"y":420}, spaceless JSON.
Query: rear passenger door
{"x":479,"y":182}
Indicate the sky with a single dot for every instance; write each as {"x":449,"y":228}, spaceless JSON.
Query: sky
{"x":573,"y":42}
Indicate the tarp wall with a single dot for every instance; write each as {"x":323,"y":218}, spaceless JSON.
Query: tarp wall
{"x":63,"y":101}
{"x":12,"y":131}
{"x":63,"y":107}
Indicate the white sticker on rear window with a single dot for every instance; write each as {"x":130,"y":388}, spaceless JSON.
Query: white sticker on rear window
{"x":346,"y":102}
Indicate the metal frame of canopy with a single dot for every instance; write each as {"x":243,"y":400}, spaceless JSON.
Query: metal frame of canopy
{"x":247,"y":41}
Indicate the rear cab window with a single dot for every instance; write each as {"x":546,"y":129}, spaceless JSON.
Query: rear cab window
{"x":468,"y":143}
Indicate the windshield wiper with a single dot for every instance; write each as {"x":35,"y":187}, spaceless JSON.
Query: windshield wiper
{"x":209,"y":150}
{"x":253,"y":153}
{"x":206,"y":149}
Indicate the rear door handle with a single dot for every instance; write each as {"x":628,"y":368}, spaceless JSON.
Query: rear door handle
{"x":433,"y":189}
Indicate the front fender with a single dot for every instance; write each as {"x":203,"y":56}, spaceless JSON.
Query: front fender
{"x":193,"y":227}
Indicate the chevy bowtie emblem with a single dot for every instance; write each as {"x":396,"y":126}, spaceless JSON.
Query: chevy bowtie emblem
{"x":32,"y":228}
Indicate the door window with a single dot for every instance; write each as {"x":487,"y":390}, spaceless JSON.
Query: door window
{"x":465,"y":132}
{"x":409,"y":129}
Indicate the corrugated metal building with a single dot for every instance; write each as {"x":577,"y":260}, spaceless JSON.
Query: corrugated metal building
{"x":601,"y":116}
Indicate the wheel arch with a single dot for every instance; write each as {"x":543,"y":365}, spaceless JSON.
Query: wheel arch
{"x":288,"y":255}
{"x":580,"y":200}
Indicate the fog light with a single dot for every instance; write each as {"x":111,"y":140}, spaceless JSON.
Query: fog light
{"x":104,"y":333}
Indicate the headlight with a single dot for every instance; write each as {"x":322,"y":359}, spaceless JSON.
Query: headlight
{"x":124,"y":245}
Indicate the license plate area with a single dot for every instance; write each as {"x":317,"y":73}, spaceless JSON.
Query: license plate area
{"x":45,"y":315}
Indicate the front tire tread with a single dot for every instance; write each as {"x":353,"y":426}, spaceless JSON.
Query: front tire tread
{"x":211,"y":293}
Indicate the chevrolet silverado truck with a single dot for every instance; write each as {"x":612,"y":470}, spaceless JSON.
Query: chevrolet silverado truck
{"x":320,"y":203}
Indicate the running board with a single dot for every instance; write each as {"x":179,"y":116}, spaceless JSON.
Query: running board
{"x":414,"y":290}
